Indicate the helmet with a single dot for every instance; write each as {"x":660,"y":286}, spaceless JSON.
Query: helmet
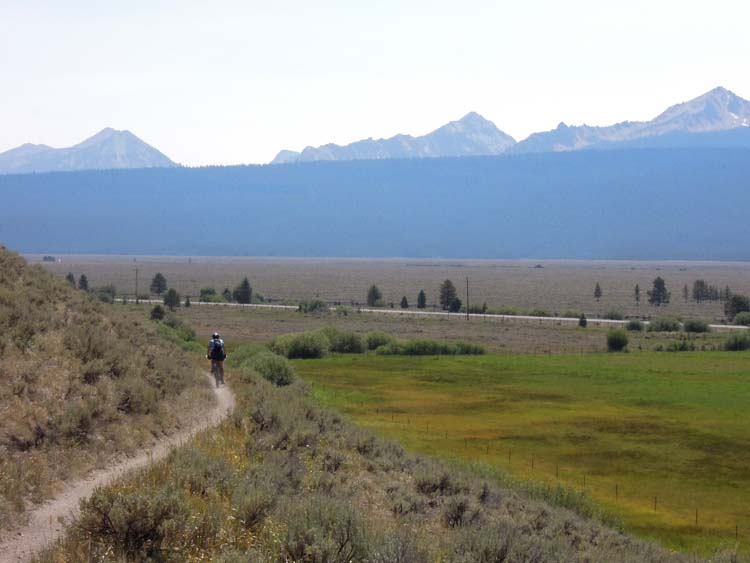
{"x":216,"y":335}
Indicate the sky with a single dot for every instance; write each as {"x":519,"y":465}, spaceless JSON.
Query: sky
{"x":226,"y":82}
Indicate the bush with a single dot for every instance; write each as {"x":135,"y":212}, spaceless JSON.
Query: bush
{"x":157,"y":313}
{"x":343,"y":342}
{"x":582,"y":321}
{"x":301,"y":345}
{"x":504,"y":310}
{"x":272,"y":367}
{"x":135,"y":521}
{"x":242,"y":353}
{"x":681,"y":345}
{"x":613,"y":315}
{"x":617,"y":340}
{"x":323,"y":529}
{"x":538,"y":313}
{"x":695,"y":325}
{"x":469,"y":349}
{"x":664,"y":324}
{"x":738,"y":342}
{"x":135,"y":396}
{"x":376,"y":339}
{"x":735,"y":305}
{"x":313,"y":307}
{"x":183,"y":330}
{"x":634,"y":325}
{"x":199,"y":472}
{"x":425,"y":347}
{"x":742,"y":318}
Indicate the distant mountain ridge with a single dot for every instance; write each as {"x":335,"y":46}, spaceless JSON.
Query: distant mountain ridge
{"x":472,"y":135}
{"x":717,"y":110}
{"x":108,"y":149}
{"x":692,"y":123}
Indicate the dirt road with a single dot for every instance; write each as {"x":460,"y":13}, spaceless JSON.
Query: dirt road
{"x":45,"y":525}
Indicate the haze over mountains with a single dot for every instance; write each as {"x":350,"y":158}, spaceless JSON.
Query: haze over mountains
{"x":703,"y":121}
{"x":108,"y":149}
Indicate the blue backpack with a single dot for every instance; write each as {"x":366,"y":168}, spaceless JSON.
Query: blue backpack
{"x":217,"y":351}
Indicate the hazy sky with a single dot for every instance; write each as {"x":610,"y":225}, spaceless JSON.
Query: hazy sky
{"x":233,"y":82}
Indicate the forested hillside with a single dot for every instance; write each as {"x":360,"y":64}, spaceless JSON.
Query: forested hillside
{"x":636,"y":204}
{"x":79,"y":383}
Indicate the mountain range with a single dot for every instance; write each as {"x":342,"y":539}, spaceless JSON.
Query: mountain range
{"x":702,"y":121}
{"x":108,"y":149}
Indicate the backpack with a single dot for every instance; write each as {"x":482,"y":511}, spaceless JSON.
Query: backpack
{"x":217,"y":351}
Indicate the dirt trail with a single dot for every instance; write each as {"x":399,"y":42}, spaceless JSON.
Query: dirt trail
{"x":44,"y":525}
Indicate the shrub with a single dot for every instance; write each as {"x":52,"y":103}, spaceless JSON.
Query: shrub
{"x":634,"y":325}
{"x":135,"y":521}
{"x":695,"y":325}
{"x":736,"y":304}
{"x":613,"y":315}
{"x":742,"y":318}
{"x":135,"y":396}
{"x":183,"y":330}
{"x":272,"y":367}
{"x":376,"y":339}
{"x":323,"y":529}
{"x":157,"y":313}
{"x":301,"y":345}
{"x":468,"y":348}
{"x":105,"y":294}
{"x":76,"y":421}
{"x":199,"y":472}
{"x":313,"y":307}
{"x":572,"y":314}
{"x":664,"y":324}
{"x":252,"y":502}
{"x":425,"y":347}
{"x":617,"y":340}
{"x":738,"y":342}
{"x":582,"y":321}
{"x":681,"y":345}
{"x":242,"y":353}
{"x":504,"y":310}
{"x":538,"y":313}
{"x":343,"y":342}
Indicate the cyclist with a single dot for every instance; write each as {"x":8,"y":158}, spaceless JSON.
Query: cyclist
{"x":217,"y":354}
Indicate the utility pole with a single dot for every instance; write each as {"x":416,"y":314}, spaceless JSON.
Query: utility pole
{"x":467,"y":298}
{"x":136,"y":286}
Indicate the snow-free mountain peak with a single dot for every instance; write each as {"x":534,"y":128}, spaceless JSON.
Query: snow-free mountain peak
{"x":107,"y":149}
{"x":471,"y":135}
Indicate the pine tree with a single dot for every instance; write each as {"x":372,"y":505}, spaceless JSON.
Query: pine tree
{"x":243,"y":293}
{"x":83,"y":283}
{"x":447,"y":294}
{"x":404,"y":302}
{"x":455,"y":305}
{"x":374,"y":296}
{"x":582,"y":322}
{"x":227,"y":295}
{"x":158,"y":284}
{"x":172,"y":299}
{"x":686,"y":293}
{"x":598,"y":291}
{"x":187,"y":301}
{"x":421,"y":300}
{"x":637,"y":294}
{"x":659,"y":294}
{"x":71,"y":279}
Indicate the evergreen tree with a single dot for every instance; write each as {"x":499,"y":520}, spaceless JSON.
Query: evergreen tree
{"x":158,"y":284}
{"x":686,"y":293}
{"x":187,"y":301}
{"x":598,"y":291}
{"x":227,"y":295}
{"x":404,"y":302}
{"x":421,"y":300}
{"x":374,"y":296}
{"x":582,"y":322}
{"x":736,"y":304}
{"x":659,"y":294}
{"x":455,"y":305}
{"x":171,"y":299}
{"x":637,"y":294}
{"x":447,"y":294}
{"x":83,"y":283}
{"x":243,"y":293}
{"x":157,"y":313}
{"x":71,"y":279}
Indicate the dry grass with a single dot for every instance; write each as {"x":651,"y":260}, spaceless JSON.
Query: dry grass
{"x":80,"y":385}
{"x":284,"y":480}
{"x":557,"y":286}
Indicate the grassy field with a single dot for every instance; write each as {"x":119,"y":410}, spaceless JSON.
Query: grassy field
{"x":556,"y":285}
{"x":633,"y":430}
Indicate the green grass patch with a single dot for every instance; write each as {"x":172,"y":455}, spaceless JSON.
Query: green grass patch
{"x":630,"y":430}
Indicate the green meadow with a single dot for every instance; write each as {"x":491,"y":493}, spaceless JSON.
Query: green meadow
{"x":661,"y":440}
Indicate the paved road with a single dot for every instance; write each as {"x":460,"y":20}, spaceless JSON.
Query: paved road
{"x":523,"y":319}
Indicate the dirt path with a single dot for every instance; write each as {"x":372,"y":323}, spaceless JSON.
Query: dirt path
{"x":44,"y":525}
